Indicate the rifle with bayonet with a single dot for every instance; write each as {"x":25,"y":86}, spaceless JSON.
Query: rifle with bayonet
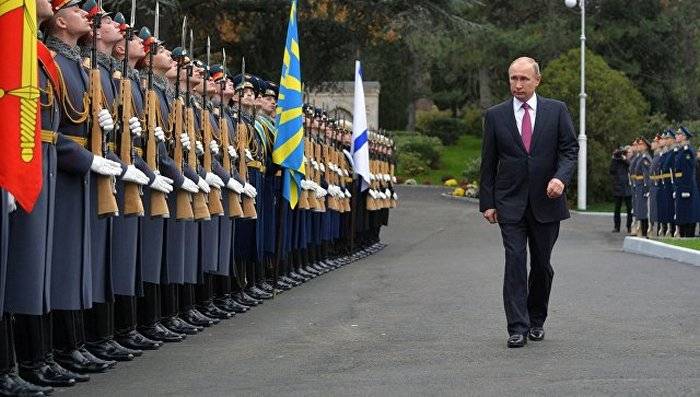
{"x":132,"y":191}
{"x":200,"y":206}
{"x":249,"y":210}
{"x":215,"y":206}
{"x":106,"y":200}
{"x":234,"y":199}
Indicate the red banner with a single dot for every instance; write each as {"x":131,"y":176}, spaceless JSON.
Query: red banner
{"x":20,"y":122}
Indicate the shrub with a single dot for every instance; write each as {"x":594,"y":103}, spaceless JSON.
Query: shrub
{"x":424,"y":117}
{"x":428,"y":148}
{"x":448,"y":129}
{"x":446,"y":178}
{"x":473,"y":170}
{"x":410,"y":164}
{"x":473,"y":118}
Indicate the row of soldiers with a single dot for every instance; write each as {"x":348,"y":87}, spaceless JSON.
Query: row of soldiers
{"x":662,"y":175}
{"x":161,"y":211}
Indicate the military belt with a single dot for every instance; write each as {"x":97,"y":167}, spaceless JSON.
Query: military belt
{"x":82,"y":141}
{"x":256,"y":164}
{"x":113,"y":147}
{"x":678,"y":175}
{"x":49,"y":137}
{"x":638,"y":177}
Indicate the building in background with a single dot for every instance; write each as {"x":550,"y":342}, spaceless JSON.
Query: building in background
{"x":338,"y":97}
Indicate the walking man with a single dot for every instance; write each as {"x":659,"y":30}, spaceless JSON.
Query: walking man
{"x":529,"y":153}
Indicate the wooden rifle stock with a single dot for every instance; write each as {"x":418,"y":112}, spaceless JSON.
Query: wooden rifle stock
{"x":132,"y":192}
{"x":183,"y":198}
{"x":321,"y":202}
{"x":249,"y":210}
{"x":215,"y":206}
{"x":106,"y":201}
{"x":234,"y":199}
{"x":201,"y":209}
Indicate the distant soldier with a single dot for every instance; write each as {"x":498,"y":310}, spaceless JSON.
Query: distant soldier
{"x":655,"y":172}
{"x":687,"y":199}
{"x":641,"y":183}
{"x":665,"y":201}
{"x":622,"y":191}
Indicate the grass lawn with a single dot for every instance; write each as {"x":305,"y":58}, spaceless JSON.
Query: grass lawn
{"x":453,"y":160}
{"x":692,"y":243}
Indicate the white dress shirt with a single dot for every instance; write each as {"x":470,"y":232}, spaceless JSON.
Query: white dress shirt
{"x":520,"y":112}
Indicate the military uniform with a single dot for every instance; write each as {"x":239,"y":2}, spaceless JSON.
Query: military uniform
{"x":685,"y":192}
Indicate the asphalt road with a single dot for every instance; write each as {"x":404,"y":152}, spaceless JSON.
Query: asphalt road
{"x":425,"y":317}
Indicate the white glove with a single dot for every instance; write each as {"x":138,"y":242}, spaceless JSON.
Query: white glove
{"x":393,"y":179}
{"x":386,"y":178}
{"x":304,"y":184}
{"x":190,"y":186}
{"x":199,"y":148}
{"x":185,"y":141}
{"x":234,"y":185}
{"x":162,"y":184}
{"x":347,"y":193}
{"x":396,"y":196}
{"x":214,"y":180}
{"x":232,"y":152}
{"x":214,"y":147}
{"x":341,"y":194}
{"x":203,"y":185}
{"x":387,"y":193}
{"x":315,"y":164}
{"x":159,"y":134}
{"x":248,"y":155}
{"x":12,"y":203}
{"x":102,"y":166}
{"x":372,"y":193}
{"x":346,"y":173}
{"x":323,"y":167}
{"x":134,"y":175}
{"x":135,"y":126}
{"x":382,"y":195}
{"x":250,"y":191}
{"x":372,"y":177}
{"x":104,"y":119}
{"x":321,"y":192}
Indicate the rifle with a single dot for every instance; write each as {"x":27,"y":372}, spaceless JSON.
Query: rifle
{"x":249,"y":210}
{"x":201,"y":209}
{"x":132,"y":191}
{"x":215,"y":206}
{"x":106,"y":201}
{"x":234,"y":199}
{"x":321,"y":202}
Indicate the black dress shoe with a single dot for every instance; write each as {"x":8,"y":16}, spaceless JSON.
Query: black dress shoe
{"x":230,"y":305}
{"x":262,"y":294}
{"x":12,"y":384}
{"x":517,"y":341}
{"x":178,"y":326}
{"x":244,"y":299}
{"x":40,"y":373}
{"x":289,"y":281}
{"x":536,"y":333}
{"x":310,"y":269}
{"x":302,"y":272}
{"x":91,"y":357}
{"x":107,"y":351}
{"x":298,"y":277}
{"x":119,"y":346}
{"x":159,"y":333}
{"x":79,"y":378}
{"x":281,"y":285}
{"x":195,"y":317}
{"x":75,"y":361}
{"x":214,"y":312}
{"x":135,"y":340}
{"x":265,"y":287}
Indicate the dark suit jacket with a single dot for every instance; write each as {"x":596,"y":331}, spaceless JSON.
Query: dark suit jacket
{"x":511,"y":178}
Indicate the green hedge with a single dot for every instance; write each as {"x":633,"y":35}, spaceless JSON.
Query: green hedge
{"x":428,"y":148}
{"x":447,"y":129}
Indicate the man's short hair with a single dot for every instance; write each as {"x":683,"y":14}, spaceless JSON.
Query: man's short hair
{"x":529,"y":60}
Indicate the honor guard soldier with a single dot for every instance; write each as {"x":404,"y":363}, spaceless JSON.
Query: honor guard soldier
{"x":665,"y":202}
{"x":687,"y":200}
{"x":641,"y":184}
{"x":655,"y":172}
{"x":105,"y":246}
{"x":71,"y":281}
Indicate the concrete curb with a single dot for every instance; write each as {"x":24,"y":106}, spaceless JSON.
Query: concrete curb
{"x":592,"y":213}
{"x":467,"y":199}
{"x":656,"y":249}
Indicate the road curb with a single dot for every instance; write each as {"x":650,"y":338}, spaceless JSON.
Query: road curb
{"x":656,"y":249}
{"x":467,"y":199}
{"x":590,"y":213}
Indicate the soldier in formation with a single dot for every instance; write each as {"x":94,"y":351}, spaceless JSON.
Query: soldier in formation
{"x":161,"y":212}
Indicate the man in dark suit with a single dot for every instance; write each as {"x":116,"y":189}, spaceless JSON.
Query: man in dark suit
{"x":529,"y":153}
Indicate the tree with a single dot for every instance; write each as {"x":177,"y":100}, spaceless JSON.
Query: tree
{"x":616,"y":110}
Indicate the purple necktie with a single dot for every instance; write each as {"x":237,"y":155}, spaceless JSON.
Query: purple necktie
{"x":527,"y":128}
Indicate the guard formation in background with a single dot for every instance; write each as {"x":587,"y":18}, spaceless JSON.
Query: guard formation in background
{"x":662,"y":182}
{"x":161,"y":210}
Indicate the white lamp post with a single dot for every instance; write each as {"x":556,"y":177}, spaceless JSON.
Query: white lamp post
{"x":582,"y":140}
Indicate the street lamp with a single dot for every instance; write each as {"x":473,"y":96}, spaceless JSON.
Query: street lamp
{"x":582,"y":140}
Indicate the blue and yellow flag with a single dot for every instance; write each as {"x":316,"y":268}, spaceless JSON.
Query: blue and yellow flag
{"x":288,"y":150}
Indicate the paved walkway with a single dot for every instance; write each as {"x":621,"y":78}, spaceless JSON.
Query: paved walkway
{"x":425,"y":317}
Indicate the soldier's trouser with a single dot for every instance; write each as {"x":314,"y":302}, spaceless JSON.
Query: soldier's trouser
{"x":7,"y":353}
{"x":68,"y":332}
{"x":222,"y":286}
{"x":645,"y":227}
{"x":205,"y":290}
{"x":170,"y":305}
{"x":618,"y":206}
{"x":32,"y":338}
{"x":125,"y":317}
{"x":187,"y":296}
{"x":148,"y":312}
{"x":99,"y":322}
